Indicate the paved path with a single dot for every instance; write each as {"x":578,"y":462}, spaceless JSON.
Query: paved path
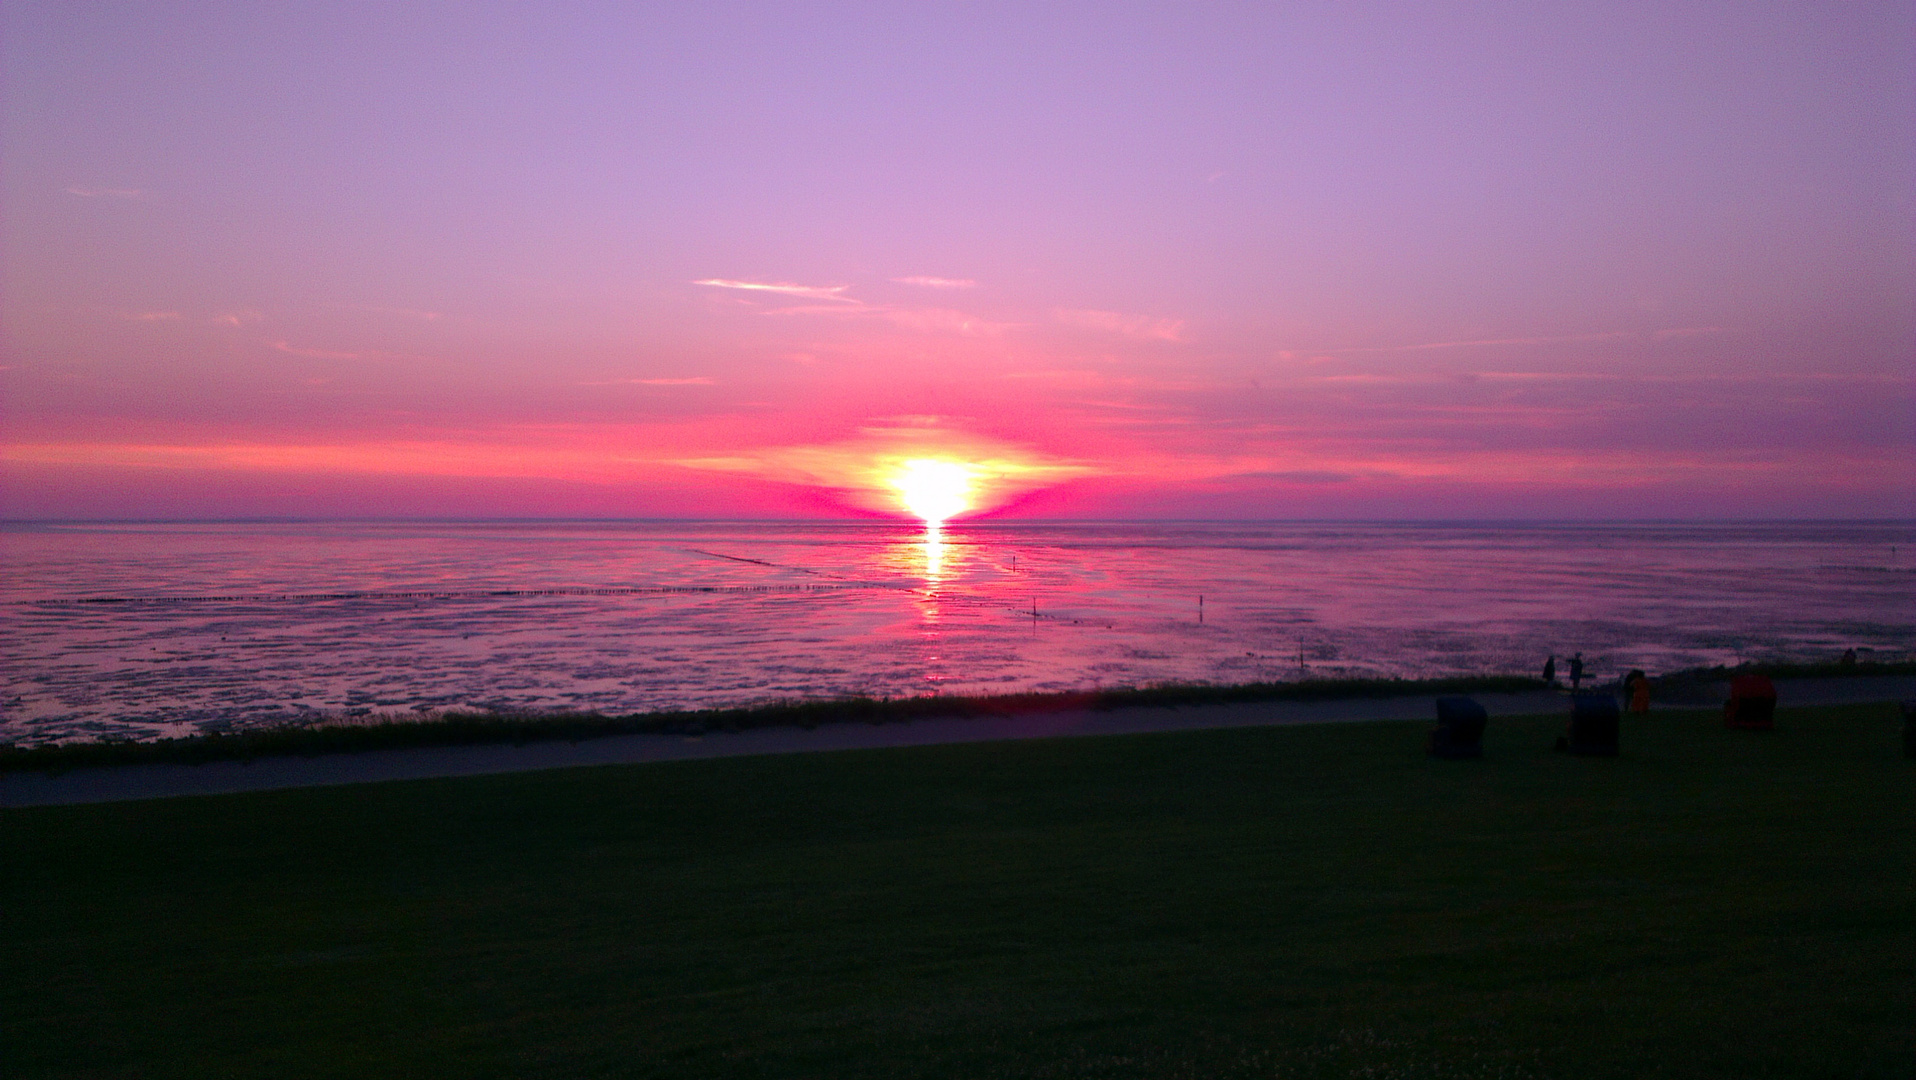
{"x":127,"y":782}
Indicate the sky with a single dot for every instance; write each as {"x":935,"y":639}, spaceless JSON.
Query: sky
{"x":1229,"y":261}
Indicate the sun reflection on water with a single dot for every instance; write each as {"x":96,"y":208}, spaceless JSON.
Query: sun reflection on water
{"x":934,"y":553}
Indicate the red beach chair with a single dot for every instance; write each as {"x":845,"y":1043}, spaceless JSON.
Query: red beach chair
{"x":1752,"y":703}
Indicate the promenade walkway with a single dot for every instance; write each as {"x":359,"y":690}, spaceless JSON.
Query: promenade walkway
{"x":129,"y":782}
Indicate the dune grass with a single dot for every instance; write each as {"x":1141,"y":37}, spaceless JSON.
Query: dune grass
{"x":461,"y":728}
{"x":334,"y":735}
{"x":1296,"y":901}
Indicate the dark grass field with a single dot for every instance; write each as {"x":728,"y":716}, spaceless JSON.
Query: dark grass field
{"x":1299,"y":901}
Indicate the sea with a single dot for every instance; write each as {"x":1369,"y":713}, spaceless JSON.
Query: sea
{"x":142,"y":631}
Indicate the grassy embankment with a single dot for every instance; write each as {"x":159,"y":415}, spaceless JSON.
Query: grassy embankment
{"x":458,"y":728}
{"x":1297,"y":901}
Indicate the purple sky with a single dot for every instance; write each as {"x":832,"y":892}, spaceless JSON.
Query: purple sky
{"x":1621,"y":260}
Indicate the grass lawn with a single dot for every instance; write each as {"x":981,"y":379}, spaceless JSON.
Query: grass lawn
{"x":1299,"y":901}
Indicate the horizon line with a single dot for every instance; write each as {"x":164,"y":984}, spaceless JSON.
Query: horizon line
{"x":883,"y":520}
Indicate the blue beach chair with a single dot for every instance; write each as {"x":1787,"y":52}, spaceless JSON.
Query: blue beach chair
{"x":1460,"y":729}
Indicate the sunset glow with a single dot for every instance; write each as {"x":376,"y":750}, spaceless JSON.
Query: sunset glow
{"x":1636,"y":262}
{"x":934,"y":490}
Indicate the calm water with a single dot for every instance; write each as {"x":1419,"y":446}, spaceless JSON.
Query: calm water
{"x":143,"y":630}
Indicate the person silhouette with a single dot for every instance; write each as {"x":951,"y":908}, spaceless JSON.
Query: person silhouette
{"x":1576,"y":671}
{"x":1636,"y":687}
{"x":1550,"y":670}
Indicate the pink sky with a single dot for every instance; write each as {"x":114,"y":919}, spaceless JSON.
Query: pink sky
{"x":1217,"y":261}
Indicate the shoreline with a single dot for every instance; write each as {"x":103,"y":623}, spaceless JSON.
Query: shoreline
{"x":336,"y":734}
{"x":460,"y":727}
{"x":100,"y":782}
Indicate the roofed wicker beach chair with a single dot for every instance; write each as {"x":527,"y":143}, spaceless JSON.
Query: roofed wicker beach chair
{"x":1593,"y":726}
{"x":1460,"y":729}
{"x":1752,"y":703}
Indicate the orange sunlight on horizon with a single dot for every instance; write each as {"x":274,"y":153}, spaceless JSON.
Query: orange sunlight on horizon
{"x":932,"y":489}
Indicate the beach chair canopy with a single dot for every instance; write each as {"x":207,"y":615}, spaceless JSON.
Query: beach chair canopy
{"x":1461,"y":714}
{"x":1752,"y":703}
{"x":1593,"y":725}
{"x":1460,"y":729}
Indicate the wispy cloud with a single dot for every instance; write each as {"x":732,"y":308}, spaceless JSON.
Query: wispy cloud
{"x":238,"y":318}
{"x":1117,"y":322}
{"x":410,"y":313}
{"x":1300,"y":476}
{"x":504,"y":458}
{"x":1692,"y":331}
{"x":942,"y":320}
{"x":1558,"y":339}
{"x":698,"y":381}
{"x":956,"y":322}
{"x":108,"y":193}
{"x":937,"y":282}
{"x":1552,"y":339}
{"x":313,"y":354}
{"x":855,"y":308}
{"x":782,"y":288}
{"x":153,"y":316}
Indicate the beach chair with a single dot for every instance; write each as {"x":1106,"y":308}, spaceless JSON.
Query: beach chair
{"x":1752,"y":704}
{"x":1593,"y":726}
{"x":1636,"y":687}
{"x":1460,"y":729}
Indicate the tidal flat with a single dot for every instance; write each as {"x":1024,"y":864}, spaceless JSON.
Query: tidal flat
{"x":1315,"y":900}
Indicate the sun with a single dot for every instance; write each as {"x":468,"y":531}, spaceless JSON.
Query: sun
{"x":932,"y":489}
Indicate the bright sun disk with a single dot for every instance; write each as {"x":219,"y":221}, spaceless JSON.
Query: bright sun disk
{"x":934,"y":490}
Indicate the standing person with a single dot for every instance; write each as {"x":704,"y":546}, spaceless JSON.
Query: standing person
{"x":1637,"y":685}
{"x":1576,"y":671}
{"x":1550,"y":670}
